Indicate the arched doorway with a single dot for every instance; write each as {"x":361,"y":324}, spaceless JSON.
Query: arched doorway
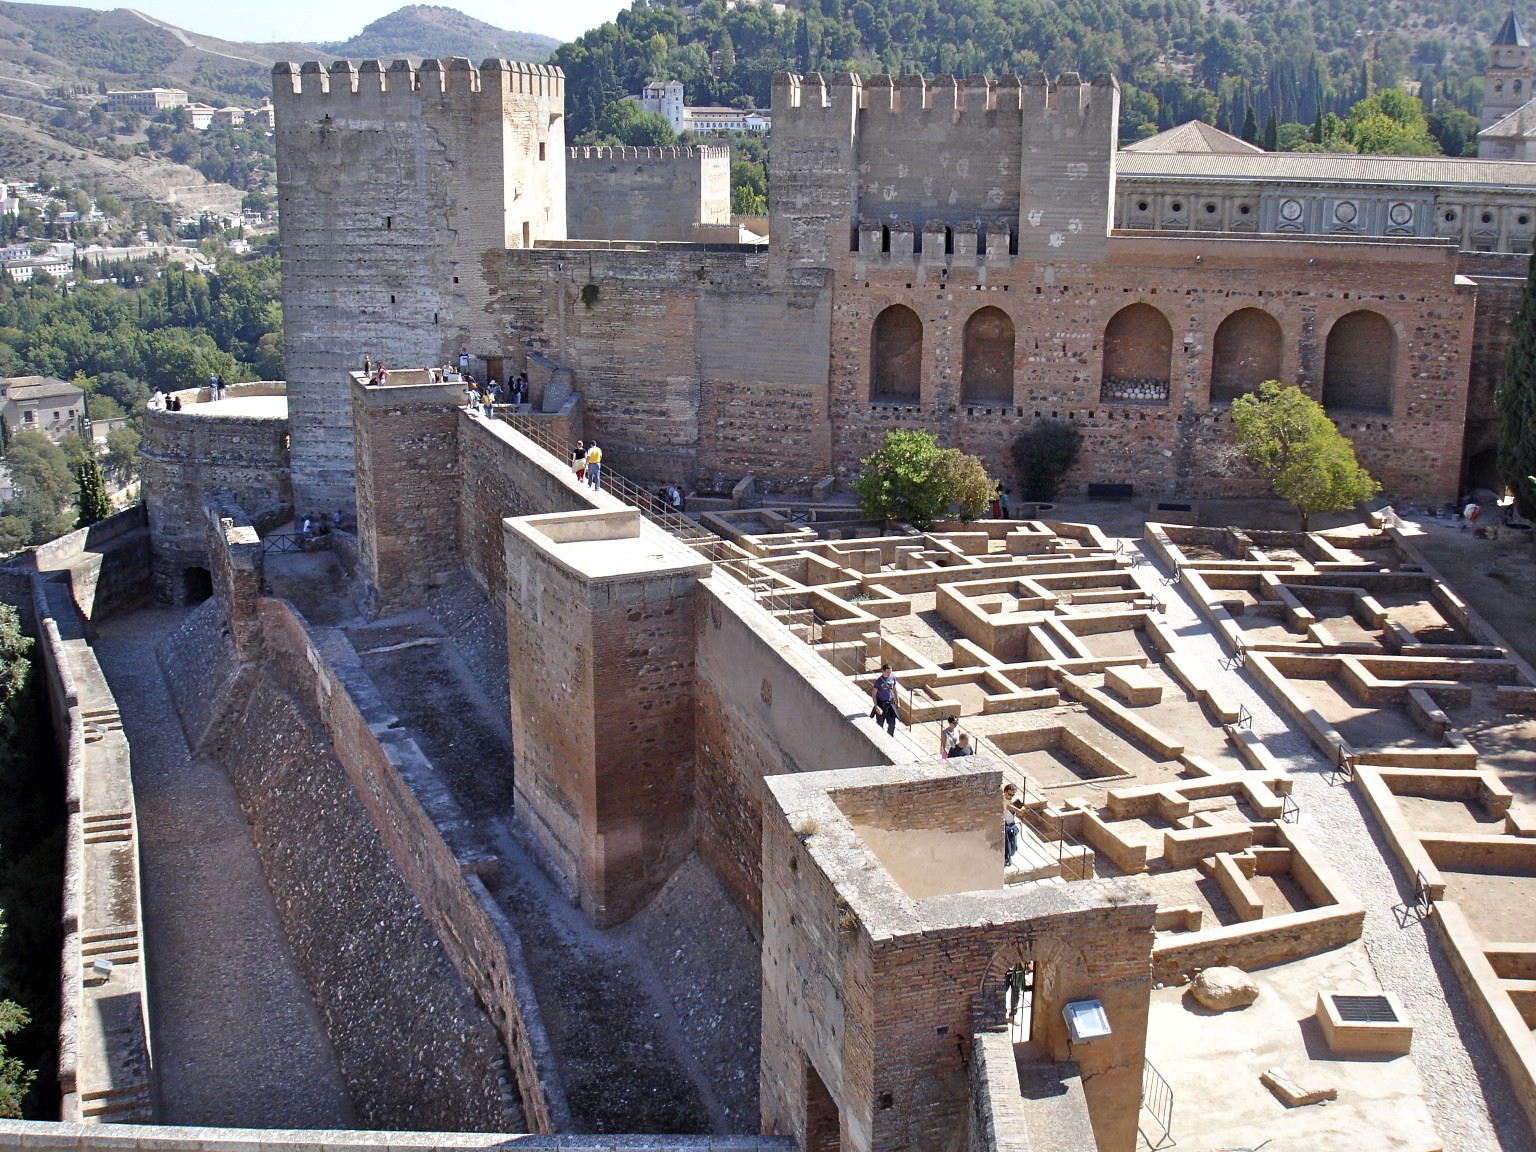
{"x":987,"y":374}
{"x":1245,"y":353}
{"x":1138,"y":356}
{"x":1358,"y":363}
{"x":896,"y":356}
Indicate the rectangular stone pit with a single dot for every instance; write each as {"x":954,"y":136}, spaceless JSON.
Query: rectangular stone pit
{"x":1357,"y":1024}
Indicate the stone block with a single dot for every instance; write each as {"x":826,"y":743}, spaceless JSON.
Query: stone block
{"x":1224,"y":988}
{"x":1133,"y":684}
{"x":1292,"y":1094}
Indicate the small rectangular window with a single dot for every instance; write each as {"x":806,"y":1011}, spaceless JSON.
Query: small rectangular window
{"x":541,"y":149}
{"x":389,"y":223}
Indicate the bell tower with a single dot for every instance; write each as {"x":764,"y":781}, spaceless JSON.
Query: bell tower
{"x":1507,"y":83}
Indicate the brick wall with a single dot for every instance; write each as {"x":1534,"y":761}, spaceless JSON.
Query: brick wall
{"x":407,"y":490}
{"x":604,"y":708}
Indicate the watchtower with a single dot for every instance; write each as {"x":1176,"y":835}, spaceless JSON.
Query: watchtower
{"x":1507,"y":82}
{"x":393,"y":184}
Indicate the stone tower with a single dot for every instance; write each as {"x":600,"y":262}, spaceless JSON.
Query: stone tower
{"x":393,"y":184}
{"x":1507,"y":83}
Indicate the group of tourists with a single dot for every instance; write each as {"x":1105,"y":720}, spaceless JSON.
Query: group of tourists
{"x":159,"y":402}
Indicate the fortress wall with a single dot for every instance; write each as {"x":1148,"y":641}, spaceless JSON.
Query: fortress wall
{"x":367,"y":949}
{"x":423,"y":842}
{"x":763,"y":709}
{"x":506,"y":474}
{"x":108,"y":564}
{"x":689,"y":360}
{"x":1500,"y":280}
{"x":645,"y":193}
{"x":51,"y":1137}
{"x":392,"y":184}
{"x":186,"y":455}
{"x":104,"y":1066}
{"x":1060,"y":313}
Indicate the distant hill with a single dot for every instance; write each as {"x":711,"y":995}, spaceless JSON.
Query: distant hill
{"x":422,"y":30}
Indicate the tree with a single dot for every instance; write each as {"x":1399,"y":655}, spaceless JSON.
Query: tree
{"x":1285,"y":434}
{"x":15,"y":1078}
{"x":1516,"y":401}
{"x":1271,"y":133}
{"x":122,"y":459}
{"x":911,"y":479}
{"x":1044,"y":453}
{"x":91,"y":497}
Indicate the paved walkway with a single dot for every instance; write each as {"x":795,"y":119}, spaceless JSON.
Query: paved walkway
{"x":236,"y":1038}
{"x":1468,"y":1095}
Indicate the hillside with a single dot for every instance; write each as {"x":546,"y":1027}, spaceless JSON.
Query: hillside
{"x":421,"y":30}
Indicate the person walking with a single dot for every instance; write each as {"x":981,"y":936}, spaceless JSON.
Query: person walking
{"x":883,"y":691}
{"x":579,"y":461}
{"x":594,"y":465}
{"x":1010,"y":835}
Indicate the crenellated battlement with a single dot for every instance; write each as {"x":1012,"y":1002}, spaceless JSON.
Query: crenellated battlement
{"x":799,"y":97}
{"x":592,"y":153}
{"x":454,"y":76}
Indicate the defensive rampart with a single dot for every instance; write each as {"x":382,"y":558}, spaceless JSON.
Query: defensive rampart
{"x":104,"y":1067}
{"x":106,"y":565}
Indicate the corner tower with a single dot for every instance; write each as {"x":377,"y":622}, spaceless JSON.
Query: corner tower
{"x":393,"y":185}
{"x":1507,"y":82}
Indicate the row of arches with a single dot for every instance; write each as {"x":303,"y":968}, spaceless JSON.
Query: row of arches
{"x":1358,"y":358}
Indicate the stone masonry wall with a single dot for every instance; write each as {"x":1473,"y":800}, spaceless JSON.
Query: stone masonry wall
{"x":689,"y":360}
{"x":1500,"y":280}
{"x":645,"y":193}
{"x":407,"y":490}
{"x":762,"y":710}
{"x":186,"y":455}
{"x":1059,"y":313}
{"x":366,"y":949}
{"x":392,"y":185}
{"x":424,"y":836}
{"x":108,"y":564}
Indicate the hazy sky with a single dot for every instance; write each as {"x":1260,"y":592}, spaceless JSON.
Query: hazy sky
{"x":275,"y":20}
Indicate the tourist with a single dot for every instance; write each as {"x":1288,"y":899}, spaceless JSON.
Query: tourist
{"x":156,"y":401}
{"x":471,"y":393}
{"x":674,"y":498}
{"x":213,"y":386}
{"x":463,"y":363}
{"x":579,"y":461}
{"x":1002,"y":500}
{"x":218,"y":387}
{"x":594,"y":465}
{"x":174,"y":403}
{"x":997,"y":501}
{"x":962,"y":747}
{"x":949,"y":736}
{"x":488,"y":397}
{"x":1010,"y":835}
{"x":383,"y":375}
{"x":883,"y":692}
{"x":517,"y":390}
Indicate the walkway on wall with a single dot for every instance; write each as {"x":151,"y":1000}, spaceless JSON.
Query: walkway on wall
{"x":236,"y":1038}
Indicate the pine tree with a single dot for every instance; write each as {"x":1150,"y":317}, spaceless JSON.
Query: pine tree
{"x":1250,"y":126}
{"x":1516,"y":402}
{"x":1271,"y":133}
{"x":91,"y":499}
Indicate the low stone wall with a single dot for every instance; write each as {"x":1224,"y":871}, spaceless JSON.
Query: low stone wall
{"x":104,"y":1066}
{"x":48,"y":1137}
{"x":108,"y":564}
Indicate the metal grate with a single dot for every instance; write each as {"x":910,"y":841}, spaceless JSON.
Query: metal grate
{"x":1364,"y":1009}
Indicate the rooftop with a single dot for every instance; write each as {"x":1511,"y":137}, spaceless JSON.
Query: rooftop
{"x":1329,"y":168}
{"x":38,"y":387}
{"x":1194,"y":137}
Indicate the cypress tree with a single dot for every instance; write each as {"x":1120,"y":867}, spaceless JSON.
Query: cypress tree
{"x":1516,"y":402}
{"x":91,"y":499}
{"x":1250,"y":126}
{"x":1271,"y":133}
{"x":1317,"y":125}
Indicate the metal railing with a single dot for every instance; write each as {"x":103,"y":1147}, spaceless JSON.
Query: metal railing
{"x":1290,"y":811}
{"x":283,"y":542}
{"x":1244,"y":717}
{"x":1157,"y":1103}
{"x":1419,"y":905}
{"x":1239,"y":654}
{"x":1343,"y":762}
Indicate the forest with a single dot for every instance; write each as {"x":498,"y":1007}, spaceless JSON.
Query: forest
{"x":1269,"y":60}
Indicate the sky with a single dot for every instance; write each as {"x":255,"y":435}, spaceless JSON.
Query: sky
{"x":300,"y":20}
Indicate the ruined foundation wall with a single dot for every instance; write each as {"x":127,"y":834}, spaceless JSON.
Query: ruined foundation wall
{"x":764,"y":708}
{"x":108,"y":564}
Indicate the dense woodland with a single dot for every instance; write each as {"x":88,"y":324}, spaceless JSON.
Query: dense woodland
{"x":1177,"y":61}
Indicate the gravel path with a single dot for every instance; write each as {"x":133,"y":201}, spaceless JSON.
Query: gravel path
{"x":1467,"y":1093}
{"x":236,"y":1038}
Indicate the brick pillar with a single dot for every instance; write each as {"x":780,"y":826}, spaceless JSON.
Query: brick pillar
{"x":600,"y":639}
{"x":406,"y":445}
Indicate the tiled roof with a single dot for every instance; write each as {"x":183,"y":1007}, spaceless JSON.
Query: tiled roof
{"x":1511,"y":32}
{"x":1195,"y":136}
{"x":38,"y":387}
{"x":1329,"y":168}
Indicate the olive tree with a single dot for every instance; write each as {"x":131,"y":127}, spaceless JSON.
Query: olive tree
{"x":911,"y":479}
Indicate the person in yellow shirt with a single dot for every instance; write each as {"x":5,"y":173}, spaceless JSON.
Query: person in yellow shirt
{"x":594,"y":465}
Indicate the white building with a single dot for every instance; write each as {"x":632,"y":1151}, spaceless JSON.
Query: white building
{"x":22,"y":271}
{"x":666,"y":100}
{"x":147,"y":101}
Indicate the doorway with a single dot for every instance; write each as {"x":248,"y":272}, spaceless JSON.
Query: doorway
{"x":823,"y":1126}
{"x":1020,"y":992}
{"x":196,"y":585}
